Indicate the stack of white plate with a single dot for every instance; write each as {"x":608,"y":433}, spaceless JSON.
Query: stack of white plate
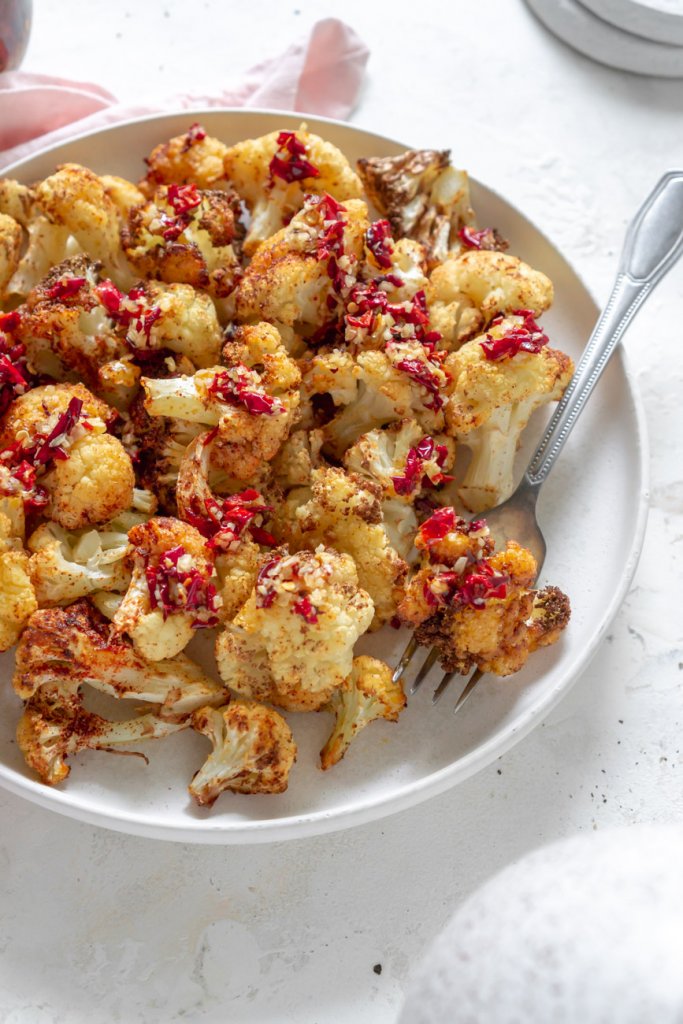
{"x":645,"y":36}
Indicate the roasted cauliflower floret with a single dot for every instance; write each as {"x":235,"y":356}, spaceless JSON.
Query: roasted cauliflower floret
{"x":172,"y":590}
{"x":66,"y":565}
{"x":498,"y":380}
{"x":253,"y":751}
{"x":252,"y":401}
{"x":471,"y":288}
{"x":54,"y":725}
{"x":158,"y":445}
{"x":403,"y":461}
{"x":298,"y":457}
{"x":191,"y":158}
{"x":187,"y":235}
{"x":298,"y":279}
{"x":66,"y":326}
{"x":345,"y":512}
{"x":421,"y":195}
{"x":16,"y":201}
{"x":369,"y":693}
{"x":10,"y":250}
{"x":233,"y":524}
{"x":75,"y":198}
{"x":17,"y":596}
{"x":74,"y":646}
{"x":274,"y":173}
{"x":123,"y":194}
{"x":479,"y":611}
{"x":291,"y":644}
{"x":59,"y":432}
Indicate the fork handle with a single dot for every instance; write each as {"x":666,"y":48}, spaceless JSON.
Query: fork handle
{"x":654,"y":242}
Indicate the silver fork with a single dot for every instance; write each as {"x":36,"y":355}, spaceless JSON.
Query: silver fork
{"x":653,"y":243}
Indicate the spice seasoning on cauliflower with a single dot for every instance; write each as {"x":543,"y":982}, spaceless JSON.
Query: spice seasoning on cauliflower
{"x":291,"y":644}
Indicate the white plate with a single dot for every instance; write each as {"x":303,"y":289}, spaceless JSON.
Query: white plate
{"x":659,"y":20}
{"x":593,"y":513}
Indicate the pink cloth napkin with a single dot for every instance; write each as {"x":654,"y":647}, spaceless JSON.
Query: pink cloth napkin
{"x":320,"y":74}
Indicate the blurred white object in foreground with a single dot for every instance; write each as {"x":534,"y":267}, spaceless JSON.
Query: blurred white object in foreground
{"x":586,"y":931}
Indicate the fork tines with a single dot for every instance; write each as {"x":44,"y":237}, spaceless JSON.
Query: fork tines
{"x":428,"y":664}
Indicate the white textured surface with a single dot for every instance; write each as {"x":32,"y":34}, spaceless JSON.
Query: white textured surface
{"x":589,"y":929}
{"x":98,"y":927}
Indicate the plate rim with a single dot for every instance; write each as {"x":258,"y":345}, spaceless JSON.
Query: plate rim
{"x":319,"y":822}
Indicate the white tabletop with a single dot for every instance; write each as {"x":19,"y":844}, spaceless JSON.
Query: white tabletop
{"x":99,"y":927}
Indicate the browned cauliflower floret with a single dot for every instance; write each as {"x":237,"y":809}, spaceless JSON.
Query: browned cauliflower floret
{"x":65,"y":325}
{"x":159,"y":444}
{"x":253,"y":751}
{"x":76,"y":646}
{"x":273,"y":174}
{"x":298,"y":457}
{"x":403,"y":461}
{"x":368,"y":693}
{"x":60,"y":430}
{"x":54,"y":725}
{"x":345,"y":512}
{"x":470,"y":289}
{"x":188,"y":235}
{"x":232,"y":521}
{"x":478,"y":609}
{"x":291,"y":644}
{"x":10,"y":250}
{"x":191,"y":158}
{"x":252,"y":401}
{"x":421,"y":195}
{"x":498,"y":380}
{"x":17,"y":596}
{"x":16,"y":201}
{"x":74,"y":198}
{"x":172,"y":590}
{"x":299,"y":278}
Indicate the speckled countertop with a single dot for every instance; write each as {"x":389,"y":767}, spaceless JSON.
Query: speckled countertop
{"x":99,"y":927}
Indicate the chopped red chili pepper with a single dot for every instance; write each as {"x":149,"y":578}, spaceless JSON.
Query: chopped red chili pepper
{"x":290,"y":160}
{"x":65,"y":288}
{"x":524,"y":337}
{"x":487,"y":238}
{"x":173,"y":589}
{"x":236,"y":386}
{"x":413,"y":475}
{"x":14,"y":376}
{"x":306,"y":609}
{"x":380,"y":243}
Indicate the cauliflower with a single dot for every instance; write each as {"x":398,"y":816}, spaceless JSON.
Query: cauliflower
{"x":172,"y":591}
{"x":403,"y":461}
{"x":345,"y":512}
{"x":406,"y":380}
{"x":300,"y":277}
{"x":498,"y":381}
{"x":330,"y":373}
{"x":15,"y":376}
{"x":65,"y":325}
{"x":54,"y":725}
{"x":186,"y":323}
{"x":298,"y":457}
{"x":253,"y":751}
{"x":252,"y":401}
{"x":58,"y":433}
{"x":291,"y":644}
{"x":10,"y":250}
{"x":191,"y":158}
{"x":76,"y":646}
{"x":232,"y":524}
{"x":67,"y":565}
{"x":47,"y":245}
{"x":75,"y":198}
{"x":16,"y":201}
{"x":476,"y":606}
{"x":470,"y":289}
{"x":159,"y":445}
{"x":368,"y":693}
{"x":187,"y":235}
{"x":123,"y":194}
{"x":274,"y":173}
{"x":422,"y":196}
{"x":18,"y":601}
